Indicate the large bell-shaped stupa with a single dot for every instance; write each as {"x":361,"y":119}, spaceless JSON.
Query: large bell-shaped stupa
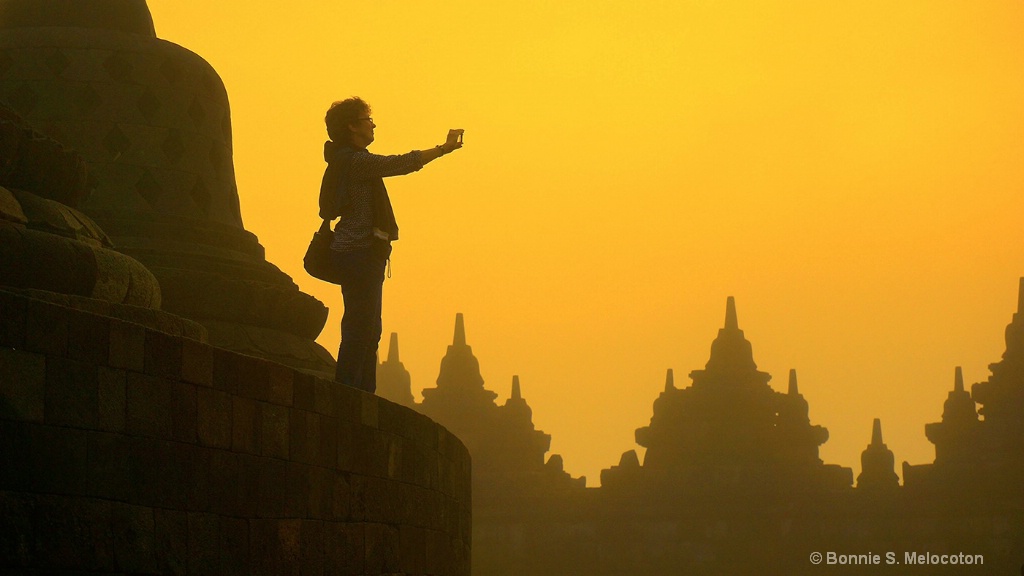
{"x":151,"y":121}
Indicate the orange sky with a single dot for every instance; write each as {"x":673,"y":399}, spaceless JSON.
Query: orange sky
{"x":852,"y":172}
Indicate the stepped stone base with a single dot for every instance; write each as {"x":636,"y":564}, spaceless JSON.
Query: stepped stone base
{"x":125,"y":449}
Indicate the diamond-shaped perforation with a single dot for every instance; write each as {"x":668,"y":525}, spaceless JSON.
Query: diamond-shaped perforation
{"x":116,"y":142}
{"x":57,"y":62}
{"x":88,"y":99}
{"x":149,"y":104}
{"x":149,"y":188}
{"x":171,"y":70}
{"x":23,"y":99}
{"x":201,"y":196}
{"x":172,"y":146}
{"x":118,"y":66}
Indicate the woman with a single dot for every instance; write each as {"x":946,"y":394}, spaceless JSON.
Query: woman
{"x":353,"y":189}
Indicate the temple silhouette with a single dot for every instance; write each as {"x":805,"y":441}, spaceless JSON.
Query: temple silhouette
{"x":732,"y":483}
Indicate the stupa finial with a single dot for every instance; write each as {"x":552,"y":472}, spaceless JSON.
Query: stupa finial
{"x":460,"y":331}
{"x":731,"y":323}
{"x":876,"y":433}
{"x":958,"y":380}
{"x":517,"y":392}
{"x":1020,"y":298}
{"x":393,"y":348}
{"x":670,"y":381}
{"x":794,"y":390}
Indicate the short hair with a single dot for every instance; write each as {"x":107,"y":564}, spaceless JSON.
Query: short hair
{"x":341,"y":115}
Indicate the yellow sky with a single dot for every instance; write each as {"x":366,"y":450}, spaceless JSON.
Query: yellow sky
{"x":852,"y":172}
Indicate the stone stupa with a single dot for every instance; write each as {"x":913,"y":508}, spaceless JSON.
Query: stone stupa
{"x":151,"y":121}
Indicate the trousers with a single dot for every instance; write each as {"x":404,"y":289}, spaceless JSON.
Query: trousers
{"x":362,"y":289}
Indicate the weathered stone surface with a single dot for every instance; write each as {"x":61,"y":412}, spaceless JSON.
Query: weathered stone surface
{"x":22,"y":386}
{"x":135,"y":469}
{"x":31,"y":161}
{"x":151,"y":122}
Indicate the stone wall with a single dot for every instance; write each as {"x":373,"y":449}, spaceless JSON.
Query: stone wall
{"x":125,"y":449}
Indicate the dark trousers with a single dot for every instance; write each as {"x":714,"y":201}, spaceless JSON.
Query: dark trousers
{"x":362,"y":290}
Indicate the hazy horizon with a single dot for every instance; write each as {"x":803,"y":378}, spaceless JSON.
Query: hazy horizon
{"x":851,"y":173}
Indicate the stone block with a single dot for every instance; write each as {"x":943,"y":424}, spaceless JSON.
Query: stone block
{"x":127,"y":346}
{"x":362,"y":450}
{"x":281,"y":384}
{"x":196,"y":362}
{"x":17,"y":512}
{"x":163,"y":355}
{"x":170,"y":533}
{"x":344,"y":549}
{"x":412,"y":543}
{"x":245,"y":425}
{"x":321,"y":491}
{"x":214,"y":427}
{"x":73,"y":535}
{"x":341,"y":497}
{"x":382,"y":552}
{"x":149,"y":406}
{"x":439,"y":548}
{"x":275,"y":546}
{"x":134,"y":537}
{"x":112,"y":399}
{"x":274,"y":428}
{"x":323,"y":397}
{"x":222,"y":485}
{"x":348,"y":402}
{"x":89,"y":338}
{"x":330,"y":429}
{"x":22,"y":385}
{"x":109,"y":471}
{"x":253,"y":378}
{"x":303,"y":386}
{"x":395,"y":458}
{"x":158,"y":471}
{"x":226,"y":373}
{"x":46,"y":328}
{"x":248,"y":485}
{"x":197,"y":487}
{"x":159,"y":408}
{"x":72,"y":393}
{"x":13,"y":318}
{"x":272,"y":477}
{"x":218,"y":545}
{"x":297,"y":496}
{"x":304,"y":436}
{"x":369,"y":410}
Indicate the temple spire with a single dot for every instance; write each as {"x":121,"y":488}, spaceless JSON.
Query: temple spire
{"x":1020,"y":298}
{"x":731,"y":323}
{"x":958,"y":385}
{"x":793,"y":389}
{"x":460,"y":331}
{"x":393,"y":348}
{"x":670,"y":381}
{"x":517,"y":392}
{"x":876,"y":433}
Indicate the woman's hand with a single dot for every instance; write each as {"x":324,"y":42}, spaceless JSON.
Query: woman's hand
{"x":454,"y":140}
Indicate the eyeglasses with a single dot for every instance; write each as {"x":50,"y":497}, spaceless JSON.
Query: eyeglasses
{"x":367,"y":118}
